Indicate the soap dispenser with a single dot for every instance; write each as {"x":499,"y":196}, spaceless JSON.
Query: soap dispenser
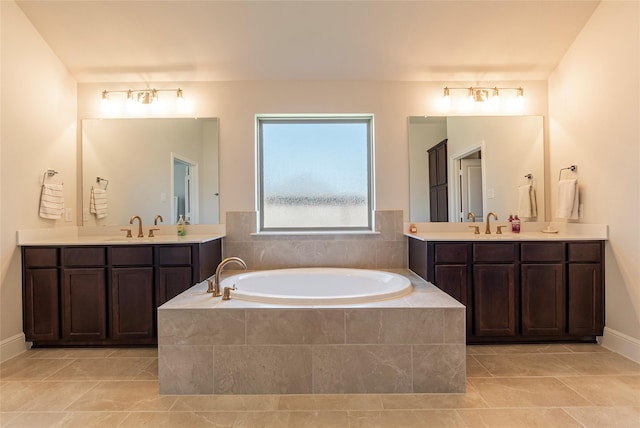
{"x":515,"y":224}
{"x":180,"y":227}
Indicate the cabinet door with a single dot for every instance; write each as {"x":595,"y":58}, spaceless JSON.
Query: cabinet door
{"x":452,"y":279}
{"x":132,"y":308}
{"x":173,"y":281}
{"x":543,"y":299}
{"x":84,"y":306}
{"x":41,"y":310}
{"x":586,"y":299}
{"x":494,"y":300}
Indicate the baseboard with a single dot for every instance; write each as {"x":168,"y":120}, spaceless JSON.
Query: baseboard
{"x":624,"y":345}
{"x":13,"y":346}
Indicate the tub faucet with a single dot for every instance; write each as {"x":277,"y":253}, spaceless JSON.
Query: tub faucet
{"x":215,"y":287}
{"x":487,"y":229}
{"x":137,"y":217}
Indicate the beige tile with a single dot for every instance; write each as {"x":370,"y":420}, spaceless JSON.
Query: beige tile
{"x":36,"y":420}
{"x":480,"y":350}
{"x":439,"y":368}
{"x":179,"y":420}
{"x":102,"y":369}
{"x":186,"y":369}
{"x":585,"y":347}
{"x":475,"y":369}
{"x":405,"y":419}
{"x":469,"y":400}
{"x":6,"y":417}
{"x":521,"y":418}
{"x":31,"y":369}
{"x":197,"y":327}
{"x":328,"y":419}
{"x":530,"y":348}
{"x":92,"y":419}
{"x":606,"y":417}
{"x":330,"y":402}
{"x":524,"y":365}
{"x":204,"y":403}
{"x":600,"y":363}
{"x":606,"y":390}
{"x":294,"y":326}
{"x":394,"y":326}
{"x":70,"y":352}
{"x":123,"y":396}
{"x":135,"y":353}
{"x":41,"y":396}
{"x":526,"y":392}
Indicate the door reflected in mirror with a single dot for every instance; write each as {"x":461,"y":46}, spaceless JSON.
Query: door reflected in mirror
{"x":487,"y":159}
{"x":156,"y":166}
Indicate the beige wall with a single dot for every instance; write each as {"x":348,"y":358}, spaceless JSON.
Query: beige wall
{"x":38,"y":133}
{"x":594,"y":110}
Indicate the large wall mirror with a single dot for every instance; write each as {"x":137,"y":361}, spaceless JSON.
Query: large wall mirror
{"x":150,"y":167}
{"x":488,"y":161}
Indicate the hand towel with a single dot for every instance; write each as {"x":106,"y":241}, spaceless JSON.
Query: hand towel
{"x":98,"y":202}
{"x":51,"y":201}
{"x":568,"y":199}
{"x":527,"y":205}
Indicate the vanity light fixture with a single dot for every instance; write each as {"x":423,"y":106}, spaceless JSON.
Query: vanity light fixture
{"x":479,"y":94}
{"x":136,"y":97}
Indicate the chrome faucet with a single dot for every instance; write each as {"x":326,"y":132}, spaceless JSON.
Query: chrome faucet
{"x":155,"y":220}
{"x":215,"y":287}
{"x":471,"y":215}
{"x":487,"y":229}
{"x":140,"y":233}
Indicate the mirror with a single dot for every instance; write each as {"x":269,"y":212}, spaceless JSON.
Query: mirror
{"x":493,"y":154}
{"x":150,"y":167}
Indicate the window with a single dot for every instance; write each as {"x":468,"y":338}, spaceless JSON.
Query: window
{"x":315,"y":173}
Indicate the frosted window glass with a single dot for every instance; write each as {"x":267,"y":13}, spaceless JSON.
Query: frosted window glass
{"x":315,"y":174}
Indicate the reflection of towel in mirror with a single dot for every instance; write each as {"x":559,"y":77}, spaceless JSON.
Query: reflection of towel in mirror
{"x":568,"y":199}
{"x":527,"y":205}
{"x":98,"y":202}
{"x":51,"y":201}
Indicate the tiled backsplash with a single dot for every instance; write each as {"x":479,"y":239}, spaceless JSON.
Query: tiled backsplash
{"x":386,"y":249}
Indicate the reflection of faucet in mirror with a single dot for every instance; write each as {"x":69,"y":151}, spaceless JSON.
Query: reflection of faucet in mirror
{"x":471,"y":215}
{"x":487,"y":229}
{"x":137,"y":217}
{"x":155,"y":220}
{"x":216,"y":282}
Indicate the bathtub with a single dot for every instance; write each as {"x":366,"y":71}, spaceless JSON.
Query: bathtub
{"x":317,"y":286}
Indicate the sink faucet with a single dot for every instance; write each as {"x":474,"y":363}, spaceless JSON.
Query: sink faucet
{"x":216,"y":282}
{"x":487,"y":229}
{"x":155,"y":220}
{"x":140,"y":234}
{"x":471,"y":215}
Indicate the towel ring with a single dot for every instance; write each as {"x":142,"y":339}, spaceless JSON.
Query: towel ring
{"x":50,"y":173}
{"x":572,"y":168}
{"x":99,"y":179}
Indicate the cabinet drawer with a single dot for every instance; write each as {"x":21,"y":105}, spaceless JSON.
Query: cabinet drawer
{"x":450,"y":253}
{"x":585,"y":252}
{"x":131,"y":256}
{"x":84,"y":256}
{"x":542,"y":251}
{"x":174,"y":255}
{"x":494,"y":252}
{"x":40,"y":257}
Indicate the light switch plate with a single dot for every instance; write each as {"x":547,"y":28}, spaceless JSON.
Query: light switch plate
{"x":68,"y":214}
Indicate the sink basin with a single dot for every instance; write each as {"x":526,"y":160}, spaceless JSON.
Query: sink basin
{"x":128,"y":240}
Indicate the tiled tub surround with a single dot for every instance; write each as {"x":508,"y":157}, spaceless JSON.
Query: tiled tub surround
{"x":412,"y":344}
{"x":386,"y":249}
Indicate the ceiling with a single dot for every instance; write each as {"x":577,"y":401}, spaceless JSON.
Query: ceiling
{"x":477,"y":41}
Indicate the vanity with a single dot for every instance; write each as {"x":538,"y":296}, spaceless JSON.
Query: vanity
{"x":101,"y":291}
{"x":528,"y":287}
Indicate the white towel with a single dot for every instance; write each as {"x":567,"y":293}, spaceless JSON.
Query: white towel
{"x":51,"y":201}
{"x":98,"y":202}
{"x":568,"y":199}
{"x":527,"y":205}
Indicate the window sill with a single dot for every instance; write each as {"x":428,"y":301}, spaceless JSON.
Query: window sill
{"x":315,"y":232}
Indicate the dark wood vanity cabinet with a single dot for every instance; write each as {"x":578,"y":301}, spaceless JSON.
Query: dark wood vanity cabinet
{"x":524,"y":291}
{"x":107,"y":295}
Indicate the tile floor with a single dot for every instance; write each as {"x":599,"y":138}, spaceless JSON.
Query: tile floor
{"x":507,"y":386}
